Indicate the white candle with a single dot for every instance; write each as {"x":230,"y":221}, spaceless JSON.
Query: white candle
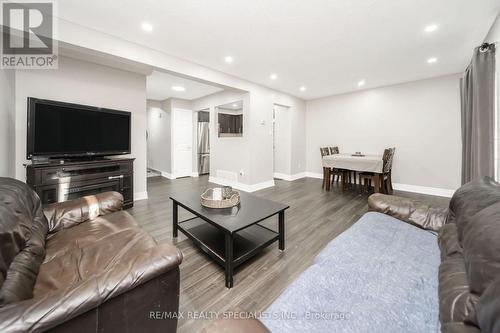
{"x":217,"y":193}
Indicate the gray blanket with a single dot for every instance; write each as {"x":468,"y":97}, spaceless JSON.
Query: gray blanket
{"x":378,"y":276}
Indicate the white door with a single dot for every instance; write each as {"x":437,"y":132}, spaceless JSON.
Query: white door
{"x":182,"y":142}
{"x":281,"y":139}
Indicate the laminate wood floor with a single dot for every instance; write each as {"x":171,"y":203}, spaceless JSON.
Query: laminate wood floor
{"x":315,"y":218}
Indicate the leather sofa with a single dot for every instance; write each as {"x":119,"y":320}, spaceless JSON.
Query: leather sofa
{"x":460,"y":245}
{"x":81,"y":266}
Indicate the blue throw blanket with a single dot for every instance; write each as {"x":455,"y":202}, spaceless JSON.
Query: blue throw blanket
{"x":381,"y":275}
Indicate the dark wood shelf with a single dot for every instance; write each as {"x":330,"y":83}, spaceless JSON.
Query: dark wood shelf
{"x":210,"y":239}
{"x":61,"y":180}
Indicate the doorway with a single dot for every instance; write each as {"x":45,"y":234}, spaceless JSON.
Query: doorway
{"x":182,"y":142}
{"x":281,"y":140}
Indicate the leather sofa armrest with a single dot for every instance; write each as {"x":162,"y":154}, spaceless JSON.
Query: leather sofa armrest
{"x":67,"y":214}
{"x":44,"y":312}
{"x":408,"y":210}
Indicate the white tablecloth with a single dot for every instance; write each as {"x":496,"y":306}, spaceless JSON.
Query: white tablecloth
{"x":367,"y":163}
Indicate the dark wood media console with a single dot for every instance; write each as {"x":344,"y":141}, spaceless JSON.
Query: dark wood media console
{"x":59,"y":181}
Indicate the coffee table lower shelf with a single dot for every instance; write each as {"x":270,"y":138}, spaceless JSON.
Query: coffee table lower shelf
{"x":246,"y":243}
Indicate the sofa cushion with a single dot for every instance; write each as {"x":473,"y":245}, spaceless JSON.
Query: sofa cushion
{"x":470,"y":199}
{"x":23,"y":230}
{"x":481,"y":243}
{"x":448,"y":242}
{"x":44,"y":312}
{"x":380,"y":275}
{"x":489,"y":309}
{"x":90,"y":248}
{"x":67,"y":214}
{"x":456,"y":302}
{"x":459,"y":328}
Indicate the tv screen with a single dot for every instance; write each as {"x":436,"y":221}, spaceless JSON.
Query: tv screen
{"x":57,"y":129}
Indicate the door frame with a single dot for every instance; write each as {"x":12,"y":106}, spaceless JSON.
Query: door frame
{"x":173,"y":143}
{"x":286,"y":108}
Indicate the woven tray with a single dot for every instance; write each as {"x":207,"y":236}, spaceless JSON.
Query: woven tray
{"x":208,"y":200}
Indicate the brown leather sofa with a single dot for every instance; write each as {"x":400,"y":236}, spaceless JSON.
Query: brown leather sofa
{"x":469,"y":243}
{"x":81,"y":266}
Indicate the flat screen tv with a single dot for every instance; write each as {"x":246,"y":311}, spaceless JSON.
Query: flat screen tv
{"x":59,"y":130}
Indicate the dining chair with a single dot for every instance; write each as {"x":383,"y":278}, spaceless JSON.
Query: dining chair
{"x":334,"y":150}
{"x":386,"y":176}
{"x":325,"y":151}
{"x":387,"y":169}
{"x":346,"y":174}
{"x":334,"y":171}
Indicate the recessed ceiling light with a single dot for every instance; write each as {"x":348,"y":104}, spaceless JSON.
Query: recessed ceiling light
{"x":273,"y":76}
{"x":303,"y":88}
{"x":235,"y":105}
{"x":178,"y":88}
{"x":228,"y":59}
{"x":431,"y":28}
{"x":147,"y":26}
{"x":361,"y":83}
{"x":432,"y":60}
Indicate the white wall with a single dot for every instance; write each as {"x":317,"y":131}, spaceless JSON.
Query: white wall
{"x":421,"y":119}
{"x":85,"y":83}
{"x":227,"y":154}
{"x":7,"y":139}
{"x":258,"y":159}
{"x":262,"y":102}
{"x":159,"y":136}
{"x":282,"y":141}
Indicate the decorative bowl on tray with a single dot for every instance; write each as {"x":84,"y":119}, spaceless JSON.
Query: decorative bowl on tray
{"x":219,"y":197}
{"x":358,"y":154}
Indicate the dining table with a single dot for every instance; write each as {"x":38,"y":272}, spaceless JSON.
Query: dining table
{"x":354,"y":162}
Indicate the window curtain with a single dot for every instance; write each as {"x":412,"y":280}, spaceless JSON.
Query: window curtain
{"x":477,"y":88}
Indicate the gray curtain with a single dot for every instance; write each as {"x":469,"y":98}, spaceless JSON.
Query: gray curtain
{"x":477,"y":88}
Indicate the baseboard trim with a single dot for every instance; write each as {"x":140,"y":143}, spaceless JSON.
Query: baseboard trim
{"x":140,"y":196}
{"x":290,"y":178}
{"x":167,"y":175}
{"x":314,"y":175}
{"x":440,"y":192}
{"x":241,"y":186}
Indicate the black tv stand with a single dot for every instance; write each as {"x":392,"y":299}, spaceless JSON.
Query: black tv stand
{"x":84,"y":158}
{"x":65,"y":179}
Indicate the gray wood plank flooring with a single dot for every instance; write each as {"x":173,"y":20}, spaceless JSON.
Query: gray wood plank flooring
{"x":315,"y":218}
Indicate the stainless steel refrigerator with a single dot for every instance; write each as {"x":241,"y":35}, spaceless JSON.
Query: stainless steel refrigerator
{"x":203,"y":148}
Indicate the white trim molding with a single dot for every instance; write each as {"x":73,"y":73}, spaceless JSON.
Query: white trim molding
{"x":440,"y":192}
{"x":314,"y":175}
{"x":241,"y":186}
{"x":167,"y":175}
{"x":289,"y":178}
{"x":140,"y":196}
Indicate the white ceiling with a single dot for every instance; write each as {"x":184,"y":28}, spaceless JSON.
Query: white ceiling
{"x":159,"y":87}
{"x":325,"y":45}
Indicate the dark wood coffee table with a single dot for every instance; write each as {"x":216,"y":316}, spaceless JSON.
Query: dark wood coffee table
{"x":230,"y":236}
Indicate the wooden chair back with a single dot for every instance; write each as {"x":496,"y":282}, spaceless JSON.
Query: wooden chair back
{"x":334,"y":150}
{"x":387,"y":158}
